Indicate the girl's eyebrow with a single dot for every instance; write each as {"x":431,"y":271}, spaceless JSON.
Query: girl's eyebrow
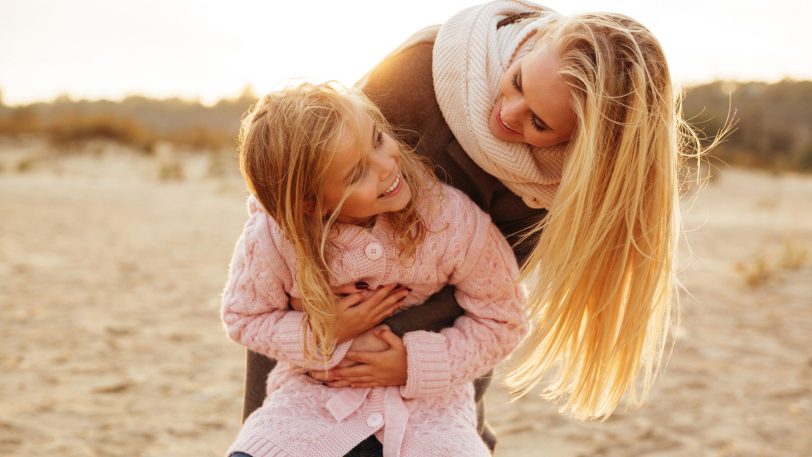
{"x":521,"y":90}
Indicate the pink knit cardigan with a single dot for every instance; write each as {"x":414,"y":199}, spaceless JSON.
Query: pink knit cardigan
{"x":302,"y":417}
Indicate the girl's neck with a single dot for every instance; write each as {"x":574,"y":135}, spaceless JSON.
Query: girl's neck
{"x":367,"y":223}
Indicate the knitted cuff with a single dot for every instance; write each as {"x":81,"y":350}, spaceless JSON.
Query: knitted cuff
{"x":291,"y":342}
{"x":428,"y":366}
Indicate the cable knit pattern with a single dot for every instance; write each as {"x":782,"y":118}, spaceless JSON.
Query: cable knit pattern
{"x":470,"y":56}
{"x":434,"y":413}
{"x":255,"y":302}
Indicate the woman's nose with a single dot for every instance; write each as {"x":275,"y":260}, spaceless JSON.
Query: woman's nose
{"x":512,"y":112}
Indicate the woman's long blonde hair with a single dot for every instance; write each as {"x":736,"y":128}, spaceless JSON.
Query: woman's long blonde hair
{"x":600,"y":280}
{"x":287,"y":139}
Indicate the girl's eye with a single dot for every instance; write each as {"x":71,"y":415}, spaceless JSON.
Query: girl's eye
{"x":516,"y":83}
{"x":537,"y":124}
{"x":379,"y":137}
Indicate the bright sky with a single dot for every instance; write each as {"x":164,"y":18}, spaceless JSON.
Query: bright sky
{"x":212,"y":49}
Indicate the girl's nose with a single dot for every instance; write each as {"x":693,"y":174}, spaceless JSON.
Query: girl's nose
{"x":387,"y":165}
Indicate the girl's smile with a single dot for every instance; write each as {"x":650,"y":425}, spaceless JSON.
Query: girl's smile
{"x":394,"y":188}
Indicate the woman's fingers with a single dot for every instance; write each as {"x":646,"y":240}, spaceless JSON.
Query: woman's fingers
{"x":361,"y":385}
{"x":369,"y":303}
{"x":379,"y":295}
{"x":321,"y":375}
{"x":391,"y":303}
{"x":348,"y":373}
{"x":351,"y":288}
{"x":351,"y":382}
{"x":385,"y":334}
{"x":350,"y":300}
{"x":346,"y":363}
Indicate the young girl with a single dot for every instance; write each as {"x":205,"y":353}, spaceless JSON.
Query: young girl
{"x":337,"y":200}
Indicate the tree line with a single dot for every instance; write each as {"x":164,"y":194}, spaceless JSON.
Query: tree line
{"x":772,"y":122}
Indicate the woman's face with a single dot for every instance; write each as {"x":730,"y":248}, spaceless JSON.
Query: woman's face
{"x":533,"y":103}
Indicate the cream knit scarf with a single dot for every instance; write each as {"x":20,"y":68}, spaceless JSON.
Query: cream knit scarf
{"x":470,"y":56}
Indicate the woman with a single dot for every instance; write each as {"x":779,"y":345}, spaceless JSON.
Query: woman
{"x":527,"y":111}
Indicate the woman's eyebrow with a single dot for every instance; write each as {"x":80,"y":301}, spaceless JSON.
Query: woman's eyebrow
{"x":521,"y":90}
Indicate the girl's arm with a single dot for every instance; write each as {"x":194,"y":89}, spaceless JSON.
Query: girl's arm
{"x":255,"y":303}
{"x":493,"y":324}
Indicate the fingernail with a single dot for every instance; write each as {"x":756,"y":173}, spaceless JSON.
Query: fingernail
{"x":361,"y":285}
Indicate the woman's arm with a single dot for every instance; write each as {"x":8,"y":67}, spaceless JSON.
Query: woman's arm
{"x":436,"y":313}
{"x":257,"y":367}
{"x":484,"y":272}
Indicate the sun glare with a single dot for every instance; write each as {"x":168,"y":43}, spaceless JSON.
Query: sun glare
{"x":211,"y":50}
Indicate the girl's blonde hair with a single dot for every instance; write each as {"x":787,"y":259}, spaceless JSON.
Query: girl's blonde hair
{"x":287,"y":139}
{"x":600,"y":280}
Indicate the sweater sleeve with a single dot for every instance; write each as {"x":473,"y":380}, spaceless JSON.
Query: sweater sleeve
{"x":485,"y":276}
{"x":255,"y":308}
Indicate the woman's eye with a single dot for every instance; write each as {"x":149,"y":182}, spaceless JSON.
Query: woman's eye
{"x":379,"y":138}
{"x":538,"y":125}
{"x":516,"y":83}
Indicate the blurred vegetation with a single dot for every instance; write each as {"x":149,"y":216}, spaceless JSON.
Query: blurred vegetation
{"x":773,"y":122}
{"x":136,"y":121}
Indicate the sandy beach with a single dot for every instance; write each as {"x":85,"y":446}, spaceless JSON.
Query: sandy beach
{"x":111,"y":344}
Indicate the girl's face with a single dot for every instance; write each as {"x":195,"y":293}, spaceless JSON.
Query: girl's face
{"x":533,"y":103}
{"x":373,"y":173}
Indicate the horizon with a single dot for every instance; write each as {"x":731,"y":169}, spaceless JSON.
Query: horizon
{"x":242,"y":93}
{"x":207,"y":51}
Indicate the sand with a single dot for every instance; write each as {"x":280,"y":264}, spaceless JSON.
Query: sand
{"x":111,"y":345}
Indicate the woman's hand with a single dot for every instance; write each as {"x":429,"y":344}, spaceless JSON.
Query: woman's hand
{"x":357,"y":313}
{"x":359,"y":310}
{"x":370,"y":368}
{"x":368,"y":342}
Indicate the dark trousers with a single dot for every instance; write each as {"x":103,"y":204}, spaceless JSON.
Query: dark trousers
{"x":370,"y":447}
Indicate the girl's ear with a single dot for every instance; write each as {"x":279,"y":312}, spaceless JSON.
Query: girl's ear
{"x":309,"y":206}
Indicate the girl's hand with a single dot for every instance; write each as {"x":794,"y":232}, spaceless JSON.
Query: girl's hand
{"x":372,"y":369}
